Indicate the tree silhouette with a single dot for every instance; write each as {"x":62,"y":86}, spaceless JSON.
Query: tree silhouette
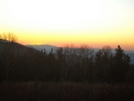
{"x":8,"y":53}
{"x":61,"y":63}
{"x":68,"y":63}
{"x":120,"y":65}
{"x":9,"y":37}
{"x":102,"y":63}
{"x":85,"y":53}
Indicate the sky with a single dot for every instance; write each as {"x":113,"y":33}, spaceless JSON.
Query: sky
{"x":96,"y":23}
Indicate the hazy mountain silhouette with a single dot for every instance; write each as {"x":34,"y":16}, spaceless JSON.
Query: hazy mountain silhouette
{"x":42,"y":47}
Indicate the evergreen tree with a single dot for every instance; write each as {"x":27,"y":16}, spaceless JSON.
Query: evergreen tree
{"x":120,"y":65}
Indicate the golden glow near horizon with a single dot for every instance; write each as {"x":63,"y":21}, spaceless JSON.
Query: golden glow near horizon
{"x":59,"y":22}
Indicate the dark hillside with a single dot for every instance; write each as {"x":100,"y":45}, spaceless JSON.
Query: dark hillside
{"x":14,"y":59}
{"x":15,"y":46}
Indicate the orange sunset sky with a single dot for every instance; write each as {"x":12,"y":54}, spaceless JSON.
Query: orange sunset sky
{"x":96,"y":23}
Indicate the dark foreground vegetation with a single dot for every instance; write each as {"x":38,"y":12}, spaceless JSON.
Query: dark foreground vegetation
{"x":65,"y":91}
{"x":108,"y":75}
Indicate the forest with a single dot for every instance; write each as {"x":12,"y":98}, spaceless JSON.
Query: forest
{"x":69,"y":63}
{"x":69,"y":74}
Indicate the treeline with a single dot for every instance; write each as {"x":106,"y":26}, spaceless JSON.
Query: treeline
{"x":66,"y":64}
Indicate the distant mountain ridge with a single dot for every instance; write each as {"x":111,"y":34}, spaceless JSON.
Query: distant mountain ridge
{"x":42,"y":47}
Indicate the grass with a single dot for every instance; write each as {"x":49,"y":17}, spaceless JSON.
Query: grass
{"x":65,"y":91}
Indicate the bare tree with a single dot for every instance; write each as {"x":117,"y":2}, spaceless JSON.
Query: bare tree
{"x":85,"y":53}
{"x":8,"y":52}
{"x":8,"y":37}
